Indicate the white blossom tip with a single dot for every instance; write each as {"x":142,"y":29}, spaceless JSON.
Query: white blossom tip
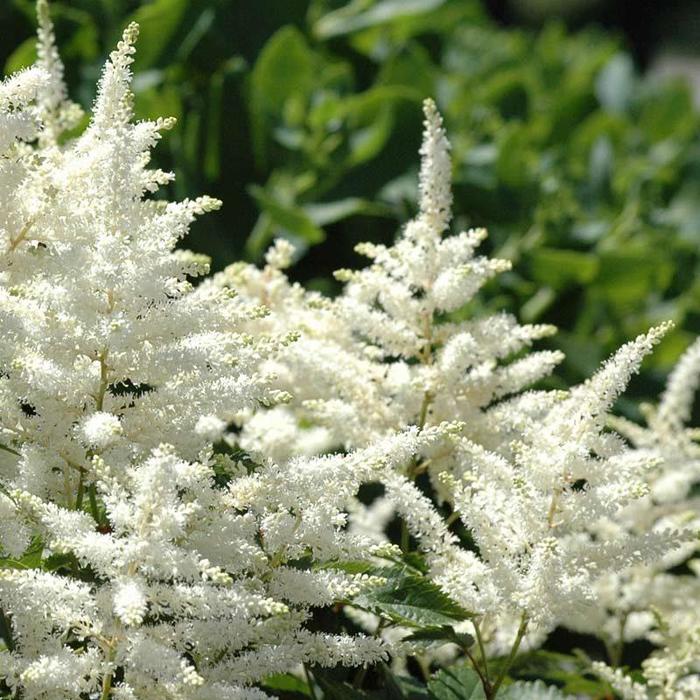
{"x":436,"y":171}
{"x":100,"y":429}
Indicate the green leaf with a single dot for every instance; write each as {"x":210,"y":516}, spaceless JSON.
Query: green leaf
{"x":31,"y":559}
{"x":616,"y":82}
{"x":403,"y":687}
{"x":456,"y":683}
{"x":58,"y":561}
{"x":584,"y":354}
{"x":324,"y":213}
{"x":368,"y":140}
{"x":216,"y":112}
{"x":351,"y":567}
{"x":22,"y":57}
{"x":337,"y":690}
{"x":286,"y":683}
{"x":515,"y":158}
{"x":292,"y":219}
{"x":559,"y":268}
{"x":158,"y":21}
{"x":554,"y":667}
{"x":410,"y":599}
{"x":357,"y":15}
{"x":628,"y":276}
{"x":284,"y":72}
{"x":156,"y":102}
{"x":670,"y":116}
{"x":199,"y":30}
{"x":444,"y":633}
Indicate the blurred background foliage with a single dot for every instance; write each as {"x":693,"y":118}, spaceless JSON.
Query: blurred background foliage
{"x":303,"y":116}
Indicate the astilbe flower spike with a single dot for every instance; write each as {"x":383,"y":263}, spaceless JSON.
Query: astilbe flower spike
{"x":177,"y":559}
{"x":168,"y":568}
{"x":529,"y":475}
{"x":652,"y":601}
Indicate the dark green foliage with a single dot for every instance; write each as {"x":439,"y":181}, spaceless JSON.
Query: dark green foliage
{"x":409,"y":598}
{"x":458,"y":682}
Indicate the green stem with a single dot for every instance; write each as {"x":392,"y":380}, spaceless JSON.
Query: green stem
{"x":67,"y":487}
{"x":427,"y":399}
{"x":360,"y":678}
{"x":405,"y":537}
{"x":485,"y":682}
{"x":106,"y":686}
{"x":453,"y":517}
{"x":107,"y":679}
{"x":511,"y":657}
{"x":615,"y":651}
{"x":104,"y":377}
{"x":5,"y":448}
{"x":482,"y":650}
{"x":81,"y":491}
{"x":93,"y":503}
{"x":74,"y":565}
{"x":309,"y":681}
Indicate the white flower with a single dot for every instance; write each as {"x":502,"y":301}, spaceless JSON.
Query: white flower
{"x":100,"y":429}
{"x":130,"y":602}
{"x":280,"y":255}
{"x":535,"y":477}
{"x":210,"y":427}
{"x":117,"y":380}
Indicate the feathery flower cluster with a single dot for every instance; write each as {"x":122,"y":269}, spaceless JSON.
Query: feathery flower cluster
{"x":391,"y":328}
{"x":178,"y":559}
{"x":651,"y":601}
{"x":168,"y":567}
{"x":509,"y":508}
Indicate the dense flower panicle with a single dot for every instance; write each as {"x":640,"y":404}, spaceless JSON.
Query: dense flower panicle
{"x":174,"y":563}
{"x":58,"y":113}
{"x":436,"y":172}
{"x":18,"y":121}
{"x":533,"y":476}
{"x":531,"y":514}
{"x":185,"y":460}
{"x":388,"y":328}
{"x":651,"y":601}
{"x":671,"y":672}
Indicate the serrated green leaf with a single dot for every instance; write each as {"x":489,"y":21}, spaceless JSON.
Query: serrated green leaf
{"x":31,"y":559}
{"x":352,"y":567}
{"x":554,"y":667}
{"x":58,"y":561}
{"x":444,"y":633}
{"x":410,"y":599}
{"x":456,"y":683}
